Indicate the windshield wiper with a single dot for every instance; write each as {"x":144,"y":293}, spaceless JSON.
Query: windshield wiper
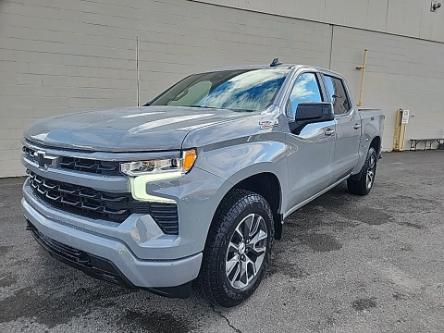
{"x":221,"y":108}
{"x":203,"y":107}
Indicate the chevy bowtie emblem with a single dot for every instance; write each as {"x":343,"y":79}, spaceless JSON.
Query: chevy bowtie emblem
{"x":44,"y":160}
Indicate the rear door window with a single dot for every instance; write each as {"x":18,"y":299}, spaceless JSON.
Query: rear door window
{"x":337,"y":94}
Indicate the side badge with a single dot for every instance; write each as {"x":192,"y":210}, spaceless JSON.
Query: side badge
{"x":267,"y":124}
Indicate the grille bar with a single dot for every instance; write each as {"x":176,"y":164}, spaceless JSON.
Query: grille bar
{"x":92,"y":166}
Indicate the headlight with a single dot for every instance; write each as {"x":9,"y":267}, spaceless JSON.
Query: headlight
{"x":181,"y":164}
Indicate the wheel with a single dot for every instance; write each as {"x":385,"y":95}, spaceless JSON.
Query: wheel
{"x":238,"y":248}
{"x":362,"y":183}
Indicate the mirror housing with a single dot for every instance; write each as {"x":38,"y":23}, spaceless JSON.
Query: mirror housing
{"x":309,"y":113}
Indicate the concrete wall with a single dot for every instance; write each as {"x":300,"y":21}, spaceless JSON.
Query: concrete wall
{"x":402,"y":73}
{"x":403,"y":17}
{"x":63,"y":56}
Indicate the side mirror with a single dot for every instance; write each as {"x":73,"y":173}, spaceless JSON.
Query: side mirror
{"x":308,"y":113}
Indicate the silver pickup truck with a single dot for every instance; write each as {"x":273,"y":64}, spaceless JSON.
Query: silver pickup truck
{"x":193,"y":187}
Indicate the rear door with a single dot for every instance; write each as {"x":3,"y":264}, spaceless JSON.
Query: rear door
{"x":311,"y":150}
{"x":348,"y":127}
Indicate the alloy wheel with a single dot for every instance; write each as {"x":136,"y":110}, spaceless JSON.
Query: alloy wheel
{"x":246,"y":251}
{"x":370,"y":177}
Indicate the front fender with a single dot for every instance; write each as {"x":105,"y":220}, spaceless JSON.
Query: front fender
{"x":246,"y":157}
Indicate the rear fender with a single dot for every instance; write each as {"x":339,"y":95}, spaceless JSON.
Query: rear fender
{"x":371,"y":128}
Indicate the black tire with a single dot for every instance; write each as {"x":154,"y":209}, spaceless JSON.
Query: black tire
{"x":213,"y":281}
{"x":359,"y":184}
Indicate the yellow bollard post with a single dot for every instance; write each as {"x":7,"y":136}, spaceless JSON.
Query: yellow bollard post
{"x":397,"y":130}
{"x":362,"y":68}
{"x":402,"y":119}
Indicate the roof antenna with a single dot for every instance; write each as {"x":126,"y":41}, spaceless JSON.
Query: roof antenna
{"x":275,"y":62}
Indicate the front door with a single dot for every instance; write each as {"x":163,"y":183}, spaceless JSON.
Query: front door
{"x":348,"y":127}
{"x":311,"y":150}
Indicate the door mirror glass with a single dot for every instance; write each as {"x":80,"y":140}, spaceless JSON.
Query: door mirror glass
{"x":314,"y":112}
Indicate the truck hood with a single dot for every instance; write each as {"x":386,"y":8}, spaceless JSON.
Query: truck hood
{"x":128,"y":129}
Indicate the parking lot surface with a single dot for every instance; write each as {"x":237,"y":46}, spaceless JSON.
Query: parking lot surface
{"x":345,"y":264}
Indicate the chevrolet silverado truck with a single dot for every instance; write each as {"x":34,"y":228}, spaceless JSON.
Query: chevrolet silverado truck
{"x":192,"y":188}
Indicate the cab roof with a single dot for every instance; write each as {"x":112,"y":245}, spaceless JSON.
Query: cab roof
{"x":290,"y":67}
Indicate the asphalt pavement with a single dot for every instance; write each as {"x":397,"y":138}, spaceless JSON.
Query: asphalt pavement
{"x":345,"y":264}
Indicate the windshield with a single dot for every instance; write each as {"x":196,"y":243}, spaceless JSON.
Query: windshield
{"x":238,"y":90}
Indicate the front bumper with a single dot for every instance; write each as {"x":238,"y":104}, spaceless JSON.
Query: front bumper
{"x":142,"y":273}
{"x":97,"y":267}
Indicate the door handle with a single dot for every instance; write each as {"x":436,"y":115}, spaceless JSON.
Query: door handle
{"x":357,"y":126}
{"x":329,"y":131}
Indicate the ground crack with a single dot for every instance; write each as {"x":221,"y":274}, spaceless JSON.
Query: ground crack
{"x":234,"y":328}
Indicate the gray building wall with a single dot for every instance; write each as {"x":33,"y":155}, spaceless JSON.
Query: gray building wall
{"x":402,"y":17}
{"x":63,"y":56}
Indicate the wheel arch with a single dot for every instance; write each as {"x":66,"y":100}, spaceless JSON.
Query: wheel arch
{"x":367,"y":143}
{"x":376,"y":144}
{"x":266,"y":184}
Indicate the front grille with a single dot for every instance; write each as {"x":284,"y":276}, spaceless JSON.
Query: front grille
{"x":82,"y":200}
{"x":95,"y":204}
{"x":108,"y":168}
